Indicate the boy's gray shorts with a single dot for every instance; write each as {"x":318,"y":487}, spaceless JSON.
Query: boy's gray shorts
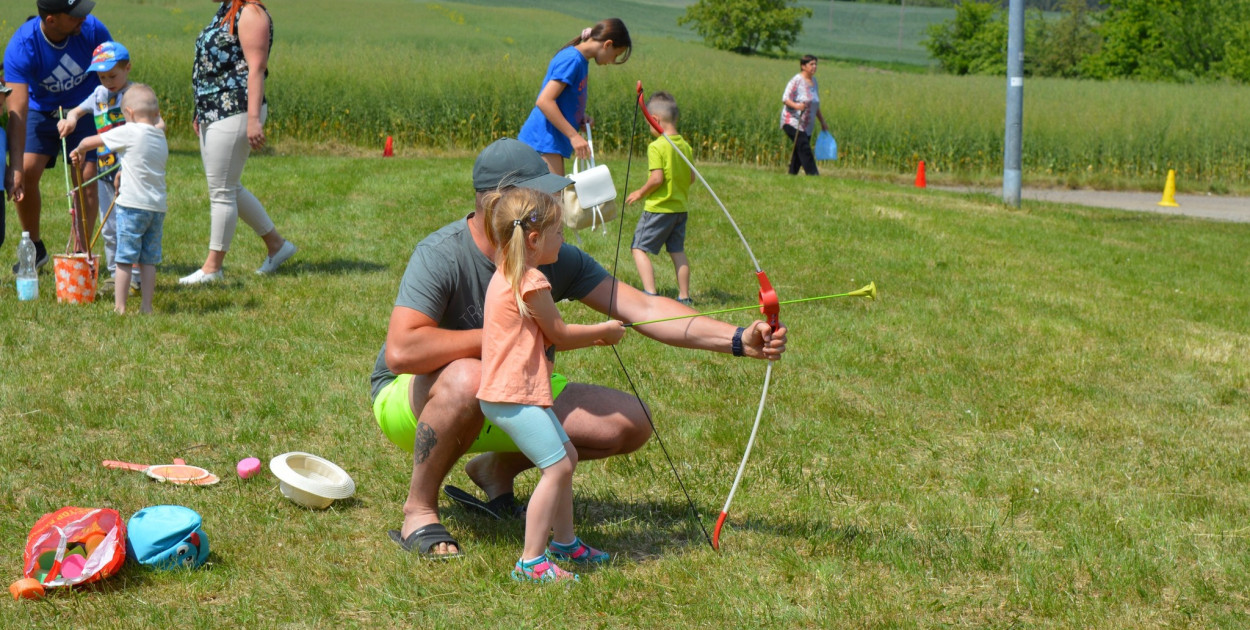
{"x":657,"y":229}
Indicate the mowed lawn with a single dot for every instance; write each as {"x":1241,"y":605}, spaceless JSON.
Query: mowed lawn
{"x":1040,"y":423}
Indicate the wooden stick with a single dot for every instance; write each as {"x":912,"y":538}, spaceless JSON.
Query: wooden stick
{"x":82,"y":216}
{"x":73,"y":239}
{"x":100,"y":228}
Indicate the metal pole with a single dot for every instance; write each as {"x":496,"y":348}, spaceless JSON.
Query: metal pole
{"x":902,"y":7}
{"x":1015,"y":103}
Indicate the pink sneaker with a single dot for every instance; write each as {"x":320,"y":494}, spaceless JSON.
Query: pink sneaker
{"x":541,"y":570}
{"x":577,"y":551}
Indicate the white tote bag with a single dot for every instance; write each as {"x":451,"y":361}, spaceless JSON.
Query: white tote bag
{"x":591,"y":202}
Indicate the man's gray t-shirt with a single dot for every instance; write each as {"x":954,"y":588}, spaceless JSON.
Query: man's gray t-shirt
{"x":447,"y":276}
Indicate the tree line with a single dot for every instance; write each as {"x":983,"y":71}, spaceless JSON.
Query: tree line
{"x":1041,"y":5}
{"x":1154,"y":40}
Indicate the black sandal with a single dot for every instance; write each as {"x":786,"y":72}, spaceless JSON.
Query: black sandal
{"x":503,"y":507}
{"x":423,"y":541}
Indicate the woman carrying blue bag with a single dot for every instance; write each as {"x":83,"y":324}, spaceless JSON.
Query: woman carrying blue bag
{"x":801,"y":101}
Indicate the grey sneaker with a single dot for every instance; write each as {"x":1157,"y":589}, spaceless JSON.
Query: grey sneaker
{"x":272,"y":263}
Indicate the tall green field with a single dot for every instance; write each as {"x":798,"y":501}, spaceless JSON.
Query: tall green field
{"x":846,"y":30}
{"x":443,"y":77}
{"x":869,"y":32}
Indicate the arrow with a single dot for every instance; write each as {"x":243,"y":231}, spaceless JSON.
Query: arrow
{"x":869,"y":292}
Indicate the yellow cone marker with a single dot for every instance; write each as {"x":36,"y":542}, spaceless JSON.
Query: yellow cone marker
{"x":1169,"y":191}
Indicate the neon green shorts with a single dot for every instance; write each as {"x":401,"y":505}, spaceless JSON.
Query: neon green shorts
{"x":394,"y":415}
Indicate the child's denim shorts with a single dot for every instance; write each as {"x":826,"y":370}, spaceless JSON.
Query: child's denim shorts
{"x":139,"y":236}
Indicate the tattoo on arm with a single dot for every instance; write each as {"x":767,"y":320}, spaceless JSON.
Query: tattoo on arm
{"x":426,"y":439}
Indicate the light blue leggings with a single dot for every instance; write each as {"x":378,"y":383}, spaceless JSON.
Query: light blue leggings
{"x":535,"y":430}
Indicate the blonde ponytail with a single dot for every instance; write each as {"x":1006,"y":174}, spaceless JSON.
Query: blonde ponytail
{"x":510,"y":215}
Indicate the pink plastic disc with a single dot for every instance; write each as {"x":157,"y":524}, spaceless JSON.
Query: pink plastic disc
{"x":248,"y":467}
{"x":71,"y":566}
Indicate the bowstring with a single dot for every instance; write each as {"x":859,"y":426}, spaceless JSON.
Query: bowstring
{"x":621,"y":362}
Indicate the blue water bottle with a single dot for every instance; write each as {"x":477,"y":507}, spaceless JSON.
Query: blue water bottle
{"x":27,"y":277}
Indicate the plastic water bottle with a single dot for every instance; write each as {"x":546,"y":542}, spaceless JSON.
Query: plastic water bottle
{"x":27,"y":277}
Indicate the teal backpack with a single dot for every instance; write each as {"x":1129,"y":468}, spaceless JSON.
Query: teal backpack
{"x":167,"y":537}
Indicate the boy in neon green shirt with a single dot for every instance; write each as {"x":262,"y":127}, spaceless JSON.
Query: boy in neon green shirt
{"x":663,"y":222}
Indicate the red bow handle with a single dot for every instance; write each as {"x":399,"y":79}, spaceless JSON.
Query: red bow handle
{"x":770,"y":306}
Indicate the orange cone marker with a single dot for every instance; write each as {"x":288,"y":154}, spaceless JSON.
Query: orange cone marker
{"x":920,"y":182}
{"x":389,"y":151}
{"x":1169,"y":191}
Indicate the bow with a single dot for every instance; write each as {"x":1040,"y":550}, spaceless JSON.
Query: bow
{"x":768,"y":303}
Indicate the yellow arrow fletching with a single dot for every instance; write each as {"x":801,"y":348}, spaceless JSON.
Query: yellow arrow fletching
{"x":869,"y":292}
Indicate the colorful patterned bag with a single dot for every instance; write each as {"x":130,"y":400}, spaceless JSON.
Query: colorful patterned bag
{"x":75,"y":545}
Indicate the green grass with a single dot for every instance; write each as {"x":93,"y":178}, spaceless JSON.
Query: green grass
{"x":447,"y":78}
{"x":1040,"y":424}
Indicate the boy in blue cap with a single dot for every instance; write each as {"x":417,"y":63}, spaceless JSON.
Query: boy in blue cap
{"x":111,"y":63}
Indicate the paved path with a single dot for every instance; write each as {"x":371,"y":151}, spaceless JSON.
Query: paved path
{"x":1236,"y":209}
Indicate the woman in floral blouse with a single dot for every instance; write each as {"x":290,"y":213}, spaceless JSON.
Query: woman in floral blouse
{"x":802,"y":101}
{"x":231,"y":64}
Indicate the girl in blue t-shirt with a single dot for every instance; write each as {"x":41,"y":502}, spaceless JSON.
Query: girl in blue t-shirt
{"x":560,"y":110}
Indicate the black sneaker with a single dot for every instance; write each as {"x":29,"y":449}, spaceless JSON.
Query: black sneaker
{"x":41,"y":257}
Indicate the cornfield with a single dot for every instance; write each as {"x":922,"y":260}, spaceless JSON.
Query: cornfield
{"x":453,"y":77}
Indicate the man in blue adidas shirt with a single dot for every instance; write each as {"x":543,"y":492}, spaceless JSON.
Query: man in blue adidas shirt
{"x":46,"y":65}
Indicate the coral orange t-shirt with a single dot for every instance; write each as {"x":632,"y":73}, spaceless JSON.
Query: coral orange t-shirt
{"x":516,"y":362}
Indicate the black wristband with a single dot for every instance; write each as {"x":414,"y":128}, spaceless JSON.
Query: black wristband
{"x":737,"y":342}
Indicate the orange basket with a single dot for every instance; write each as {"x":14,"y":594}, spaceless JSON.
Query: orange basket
{"x":76,"y":278}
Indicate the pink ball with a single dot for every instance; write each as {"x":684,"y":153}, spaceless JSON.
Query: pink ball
{"x":248,"y":467}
